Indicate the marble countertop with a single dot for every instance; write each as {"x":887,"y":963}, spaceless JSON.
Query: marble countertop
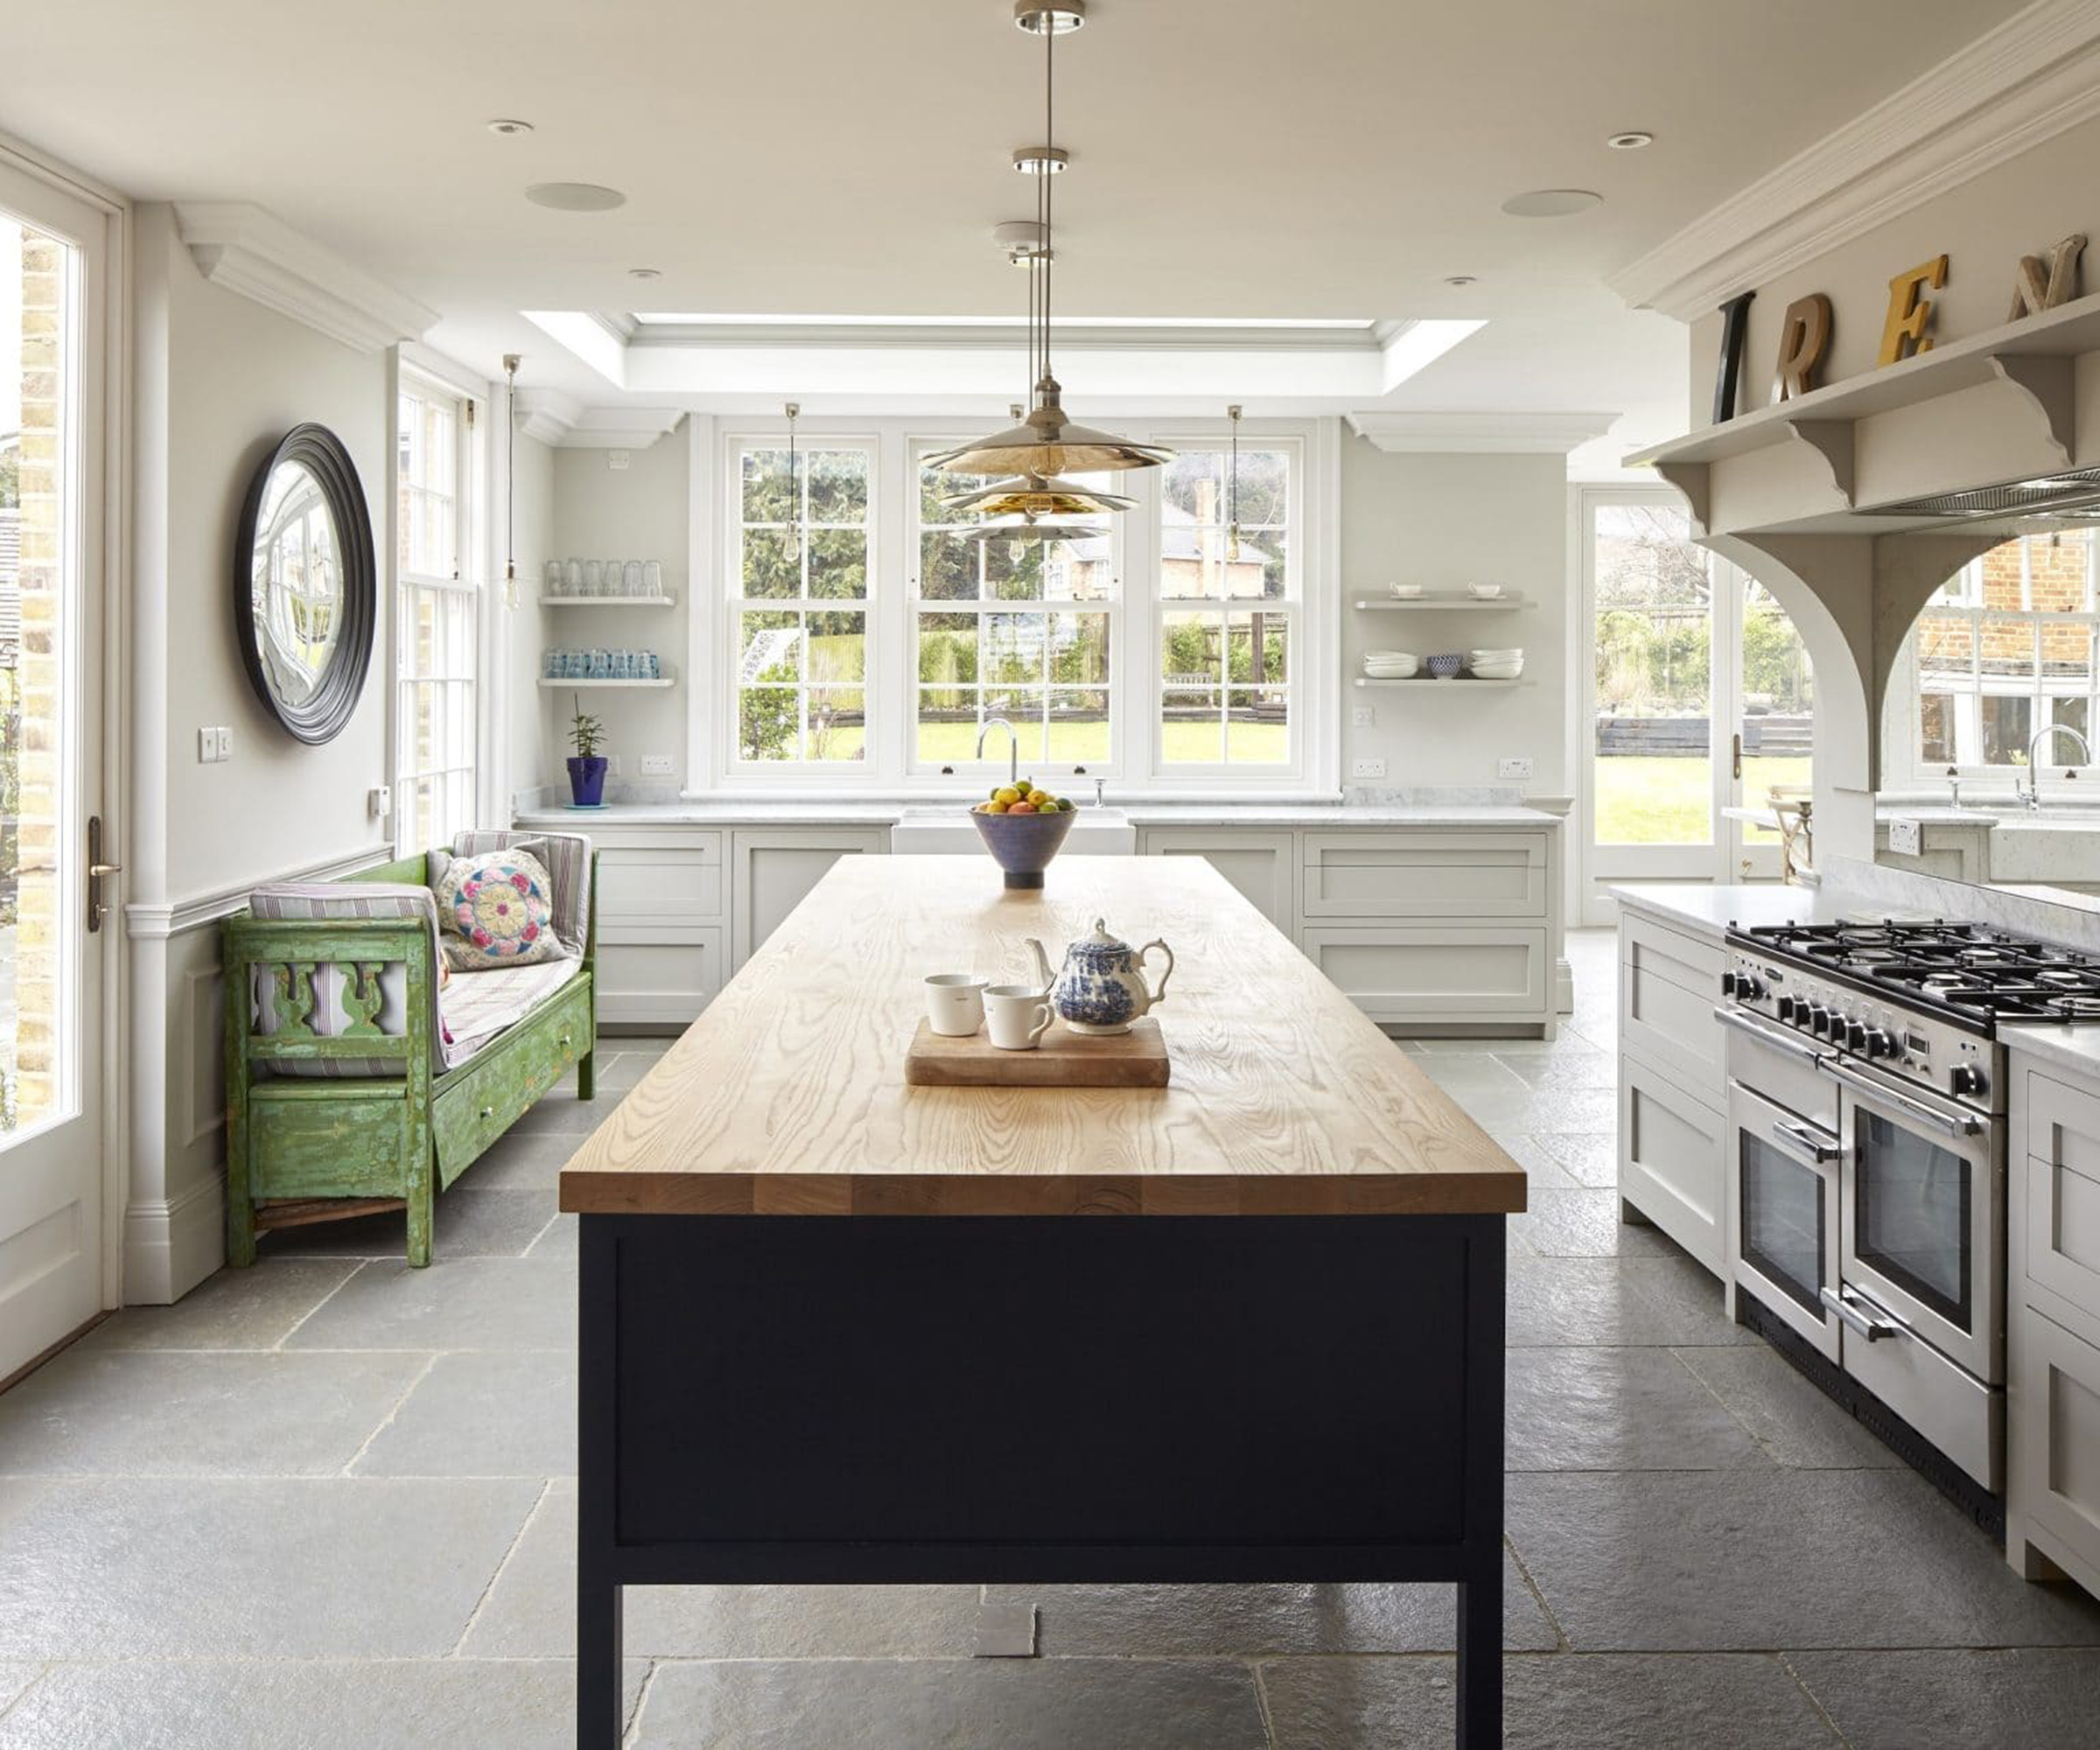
{"x":2076,"y":1049}
{"x":1708,"y":912}
{"x":818,"y":812}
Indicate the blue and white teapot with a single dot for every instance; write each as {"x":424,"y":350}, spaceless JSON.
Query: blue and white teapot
{"x":1102,"y":988}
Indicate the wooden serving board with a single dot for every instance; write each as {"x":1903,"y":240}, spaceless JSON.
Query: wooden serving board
{"x":1064,"y":1059}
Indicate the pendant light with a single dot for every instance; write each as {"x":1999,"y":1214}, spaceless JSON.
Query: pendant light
{"x":1232,"y":488}
{"x":511,"y":361}
{"x":1047,"y":444}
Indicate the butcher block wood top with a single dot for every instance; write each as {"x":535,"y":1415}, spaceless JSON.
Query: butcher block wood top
{"x":787,"y":1095}
{"x":1064,"y":1059}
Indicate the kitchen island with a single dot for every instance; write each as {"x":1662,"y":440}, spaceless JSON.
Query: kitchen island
{"x":1282,"y":1363}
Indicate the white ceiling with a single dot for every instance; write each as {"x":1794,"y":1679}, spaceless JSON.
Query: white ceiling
{"x":1229,"y":159}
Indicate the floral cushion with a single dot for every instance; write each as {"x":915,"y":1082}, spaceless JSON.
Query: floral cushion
{"x":497,"y":909}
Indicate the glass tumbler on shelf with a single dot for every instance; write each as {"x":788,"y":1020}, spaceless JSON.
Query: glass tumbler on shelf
{"x":651,"y":669}
{"x":550,"y":578}
{"x":572,"y":578}
{"x":594,"y":577}
{"x":652,"y":578}
{"x":630,"y":578}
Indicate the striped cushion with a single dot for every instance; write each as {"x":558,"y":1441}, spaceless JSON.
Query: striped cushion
{"x":478,"y":1005}
{"x":567,"y":856}
{"x":310,"y":901}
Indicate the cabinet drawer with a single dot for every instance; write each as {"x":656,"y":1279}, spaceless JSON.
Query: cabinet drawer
{"x":2063,"y":1191}
{"x":658,"y":884}
{"x":1458,"y":972}
{"x":661,"y":976}
{"x":700,"y":844}
{"x":1263,"y":866}
{"x":1424,"y":875}
{"x":2056,"y":1435}
{"x":1673,"y":1160}
{"x":1668,"y":985}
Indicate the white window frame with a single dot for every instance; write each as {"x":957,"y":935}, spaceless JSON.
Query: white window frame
{"x":1318,"y":689}
{"x":465,"y":579}
{"x":1904,"y":765}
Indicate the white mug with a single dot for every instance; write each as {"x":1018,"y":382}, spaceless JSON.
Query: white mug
{"x":1018,"y":1016}
{"x":955,"y":1004}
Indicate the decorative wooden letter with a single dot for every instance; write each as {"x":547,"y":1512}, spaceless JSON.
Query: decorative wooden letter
{"x":1904,"y":332}
{"x":1804,"y":336}
{"x":2033,"y":290}
{"x":1735,"y":328}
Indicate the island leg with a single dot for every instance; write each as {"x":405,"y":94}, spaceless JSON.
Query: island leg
{"x":600,"y":1716}
{"x":1481,"y":1593}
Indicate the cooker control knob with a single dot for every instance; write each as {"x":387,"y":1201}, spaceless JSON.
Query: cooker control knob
{"x":1855,"y":1035}
{"x":1880,"y":1042}
{"x":1730,"y":983}
{"x":1787,"y":1006}
{"x":1967,"y":1079}
{"x":1820,"y":1018}
{"x":1747,"y":987}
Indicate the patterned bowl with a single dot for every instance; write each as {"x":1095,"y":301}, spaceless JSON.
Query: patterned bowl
{"x":1023,"y":844}
{"x":1442,"y":667}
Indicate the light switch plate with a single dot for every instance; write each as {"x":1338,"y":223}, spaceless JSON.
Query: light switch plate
{"x":1903,"y":837}
{"x":226,"y":742}
{"x":616,"y":459}
{"x":1367,"y":769}
{"x":379,"y":801}
{"x":656,"y":765}
{"x":1363,"y":715}
{"x":1513,"y":768}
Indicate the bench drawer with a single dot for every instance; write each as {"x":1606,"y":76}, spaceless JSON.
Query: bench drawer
{"x":1424,"y":875}
{"x":313,"y":1140}
{"x":511,"y":1074}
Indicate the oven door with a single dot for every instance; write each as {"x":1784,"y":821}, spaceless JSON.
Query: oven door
{"x":1783,"y":1175}
{"x":1924,"y":1217}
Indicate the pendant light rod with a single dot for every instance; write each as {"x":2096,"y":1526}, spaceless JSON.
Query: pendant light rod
{"x":1232,"y":488}
{"x":511,"y":361}
{"x":1044,"y":182}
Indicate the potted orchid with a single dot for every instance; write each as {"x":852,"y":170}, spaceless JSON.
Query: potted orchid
{"x":586,"y":765}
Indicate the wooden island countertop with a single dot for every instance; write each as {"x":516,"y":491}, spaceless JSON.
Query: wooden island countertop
{"x":787,"y":1095}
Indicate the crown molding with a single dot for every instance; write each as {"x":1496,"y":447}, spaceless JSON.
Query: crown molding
{"x":244,"y":250}
{"x":546,"y":415}
{"x":621,"y":428}
{"x":1477,"y":434}
{"x":2012,"y":89}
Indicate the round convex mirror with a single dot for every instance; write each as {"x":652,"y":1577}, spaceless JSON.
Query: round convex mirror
{"x":305,"y":586}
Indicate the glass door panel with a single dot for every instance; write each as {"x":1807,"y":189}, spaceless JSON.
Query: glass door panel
{"x":1775,"y":721}
{"x":1911,"y":1214}
{"x":1783,"y":1235}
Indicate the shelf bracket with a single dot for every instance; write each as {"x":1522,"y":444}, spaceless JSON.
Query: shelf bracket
{"x":1831,"y":440}
{"x":2044,"y":382}
{"x":1689,"y":477}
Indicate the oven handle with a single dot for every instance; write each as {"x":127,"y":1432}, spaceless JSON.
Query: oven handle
{"x":1840,"y":1303}
{"x":1952,"y":1123}
{"x":1784,"y":1043}
{"x":1806,"y":1142}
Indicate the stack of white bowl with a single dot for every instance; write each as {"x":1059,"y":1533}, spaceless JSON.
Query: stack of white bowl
{"x":1496,"y":665}
{"x":1389,"y":665}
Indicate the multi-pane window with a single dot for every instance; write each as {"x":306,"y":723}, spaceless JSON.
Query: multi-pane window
{"x":2005,"y":647}
{"x":801,"y":593}
{"x":437,"y":619}
{"x":1021,"y":628}
{"x":1228,"y":592}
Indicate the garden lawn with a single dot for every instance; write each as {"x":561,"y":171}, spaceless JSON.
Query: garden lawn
{"x":1655,"y":799}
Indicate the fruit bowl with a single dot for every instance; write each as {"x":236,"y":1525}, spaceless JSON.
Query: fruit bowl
{"x":1023,"y":844}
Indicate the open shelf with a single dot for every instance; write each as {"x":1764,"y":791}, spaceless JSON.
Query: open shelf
{"x":1442,"y":604}
{"x":608,"y":601}
{"x":1457,"y":682}
{"x":549,"y":682}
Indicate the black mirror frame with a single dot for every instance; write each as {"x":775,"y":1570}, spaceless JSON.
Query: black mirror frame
{"x":335,"y":699}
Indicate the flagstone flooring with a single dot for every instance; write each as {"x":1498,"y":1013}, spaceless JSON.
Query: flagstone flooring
{"x":329,"y":1502}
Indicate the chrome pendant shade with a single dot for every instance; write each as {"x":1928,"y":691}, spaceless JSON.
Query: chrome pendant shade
{"x":1045,"y":446}
{"x":1022,"y":529}
{"x":1031,"y":495}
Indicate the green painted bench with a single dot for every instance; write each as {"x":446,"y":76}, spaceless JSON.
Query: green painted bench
{"x":325,"y":1122}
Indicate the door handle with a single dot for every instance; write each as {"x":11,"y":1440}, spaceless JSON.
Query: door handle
{"x":1951,"y":1124}
{"x":1840,"y":1303}
{"x":1736,"y":760}
{"x":1784,"y":1043}
{"x":1805,"y":1142}
{"x":96,"y":871}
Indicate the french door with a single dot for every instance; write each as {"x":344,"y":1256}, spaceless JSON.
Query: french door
{"x":54,"y":275}
{"x":1700,"y":700}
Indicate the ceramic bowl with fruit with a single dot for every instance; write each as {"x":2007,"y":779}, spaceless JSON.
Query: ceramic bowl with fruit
{"x":1022,"y":828}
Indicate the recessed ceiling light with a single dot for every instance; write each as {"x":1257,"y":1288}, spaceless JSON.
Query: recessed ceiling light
{"x":1041,"y":160}
{"x":1460,"y":279}
{"x":575,"y":197}
{"x":1631,"y":140}
{"x":509,"y":124}
{"x":645,"y":273}
{"x":1551,"y":203}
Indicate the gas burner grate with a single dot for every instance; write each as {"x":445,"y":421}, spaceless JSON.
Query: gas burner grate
{"x":1967,"y":970}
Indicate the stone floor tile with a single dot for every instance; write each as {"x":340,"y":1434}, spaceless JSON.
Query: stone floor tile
{"x":530,"y":1612}
{"x":1786,"y":1415}
{"x":1563,"y":1063}
{"x":1583,"y":1223}
{"x":1654,"y":1561}
{"x":559,"y":1111}
{"x":1615,"y":1302}
{"x":562,"y":1240}
{"x":1262,"y":1621}
{"x":520,"y":1162}
{"x":1617,"y":1410}
{"x":1543,"y":1172}
{"x":236,"y":1309}
{"x":1550,"y":1702}
{"x":1015,"y":1704}
{"x":481,"y":1414}
{"x":623,"y":1071}
{"x":1680,"y":1303}
{"x":451,"y":1304}
{"x":471,"y":1220}
{"x":1590,"y":1157}
{"x":1486,"y":1089}
{"x":15,"y":1675}
{"x":341,"y":1568}
{"x":145,"y":1413}
{"x":2027,"y":1697}
{"x":232,"y":1704}
{"x":1578,"y":1111}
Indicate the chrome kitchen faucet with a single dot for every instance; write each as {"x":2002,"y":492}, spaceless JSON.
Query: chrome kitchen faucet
{"x":2033,"y":798}
{"x":1013,"y":747}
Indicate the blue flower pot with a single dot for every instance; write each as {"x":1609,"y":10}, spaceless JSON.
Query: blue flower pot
{"x":587,"y":779}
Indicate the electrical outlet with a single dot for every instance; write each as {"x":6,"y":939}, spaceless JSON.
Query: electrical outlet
{"x":225,"y":743}
{"x":616,"y":460}
{"x":1367,"y":769}
{"x":612,"y":765}
{"x":379,"y":801}
{"x":207,"y":746}
{"x":656,"y":765}
{"x":1903,"y":837}
{"x":1513,"y":768}
{"x":1363,"y":715}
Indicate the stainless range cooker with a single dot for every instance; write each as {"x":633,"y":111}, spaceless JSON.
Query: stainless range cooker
{"x":1866,"y":1167}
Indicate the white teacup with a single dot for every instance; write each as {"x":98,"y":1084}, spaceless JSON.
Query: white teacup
{"x":955,"y":1004}
{"x":1018,"y":1015}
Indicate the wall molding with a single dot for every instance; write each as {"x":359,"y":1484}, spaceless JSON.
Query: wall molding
{"x":171,"y":1244}
{"x":242,"y":249}
{"x":1476,"y":434}
{"x":2009,"y":91}
{"x":553,"y":417}
{"x":156,"y":920}
{"x":546,"y":415}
